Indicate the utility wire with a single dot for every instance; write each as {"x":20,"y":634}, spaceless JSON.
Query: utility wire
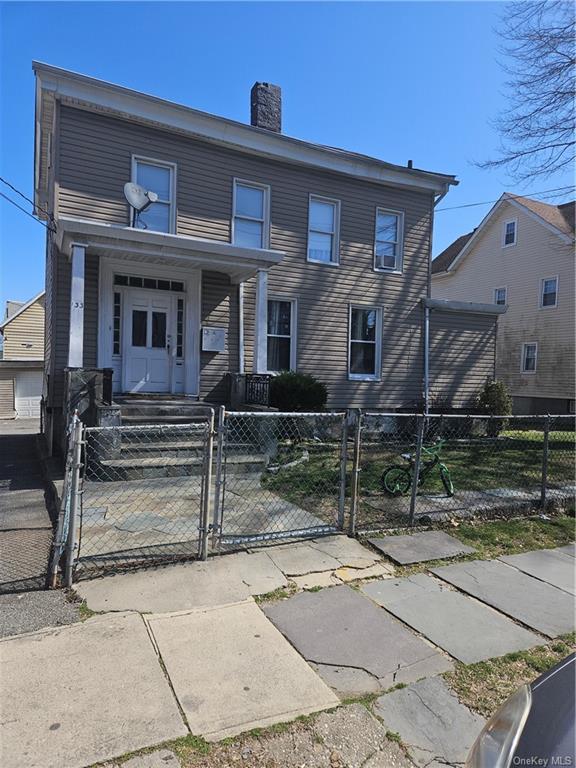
{"x":509,"y":197}
{"x":14,"y":189}
{"x":20,"y":208}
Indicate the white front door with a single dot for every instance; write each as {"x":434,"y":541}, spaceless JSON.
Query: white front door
{"x":146,"y":353}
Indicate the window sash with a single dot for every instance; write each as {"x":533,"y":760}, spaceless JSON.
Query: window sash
{"x":509,"y":233}
{"x":529,"y":358}
{"x":331,"y":233}
{"x":361,"y":350}
{"x":500,"y":296}
{"x":546,"y":292}
{"x":276,"y":341}
{"x":241,"y":217}
{"x":386,"y":248}
{"x":163,"y":203}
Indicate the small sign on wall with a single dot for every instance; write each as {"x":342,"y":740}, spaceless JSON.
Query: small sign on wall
{"x":213,"y":339}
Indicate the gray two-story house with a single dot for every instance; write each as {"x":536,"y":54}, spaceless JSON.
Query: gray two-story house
{"x":260,"y":253}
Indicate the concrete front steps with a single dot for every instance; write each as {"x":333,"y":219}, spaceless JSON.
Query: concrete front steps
{"x":161,"y":409}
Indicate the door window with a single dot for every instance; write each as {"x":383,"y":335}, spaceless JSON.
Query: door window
{"x":159,"y":330}
{"x":139,"y":323}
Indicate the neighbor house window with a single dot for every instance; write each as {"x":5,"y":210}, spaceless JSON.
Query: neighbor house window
{"x":365,"y":343}
{"x":388,"y":245}
{"x":281,"y":335}
{"x":500,"y":296}
{"x":509,"y":233}
{"x":250,"y":225}
{"x":323,"y":226}
{"x":529,"y":355}
{"x":156,"y":177}
{"x":549,"y":292}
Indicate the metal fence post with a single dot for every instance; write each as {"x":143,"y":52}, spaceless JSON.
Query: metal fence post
{"x":416,"y":470}
{"x":206,"y":490}
{"x":71,"y":544}
{"x":545,"y":462}
{"x":355,"y":473}
{"x":343,"y":468}
{"x":216,"y":521}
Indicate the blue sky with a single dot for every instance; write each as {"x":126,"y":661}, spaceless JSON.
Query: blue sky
{"x":399,"y":81}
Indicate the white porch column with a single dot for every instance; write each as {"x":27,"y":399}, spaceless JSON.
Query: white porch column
{"x":261,"y":325}
{"x":76,"y":348}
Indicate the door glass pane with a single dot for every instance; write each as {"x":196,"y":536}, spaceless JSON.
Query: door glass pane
{"x":248,"y":233}
{"x":139,"y":321}
{"x":363,"y":358}
{"x":154,"y":178}
{"x":159,"y":329}
{"x":278,"y":354}
{"x":321,"y":216}
{"x":249,"y":202}
{"x":320,"y":247}
{"x":279,"y":318}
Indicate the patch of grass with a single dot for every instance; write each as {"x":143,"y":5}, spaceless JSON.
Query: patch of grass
{"x":84,"y":612}
{"x":317,"y":588}
{"x":393,"y":736}
{"x":281,"y":593}
{"x":367,"y":700}
{"x":484,"y":686}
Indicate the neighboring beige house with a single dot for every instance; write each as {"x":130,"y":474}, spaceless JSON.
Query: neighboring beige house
{"x":21,"y":367}
{"x":262,"y":252}
{"x":522,"y":256}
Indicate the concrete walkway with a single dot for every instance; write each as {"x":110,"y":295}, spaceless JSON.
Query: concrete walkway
{"x":25,"y":526}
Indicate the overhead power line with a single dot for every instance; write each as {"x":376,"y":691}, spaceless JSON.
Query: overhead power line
{"x":28,"y":200}
{"x":555,"y":191}
{"x":31,"y":215}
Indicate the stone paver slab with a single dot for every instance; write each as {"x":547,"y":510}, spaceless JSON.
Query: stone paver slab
{"x":348,"y":551}
{"x":549,"y":565}
{"x":181,"y":587}
{"x":352,"y":574}
{"x":340,"y":627}
{"x":300,"y":559}
{"x":348,"y":681}
{"x":537,"y":605}
{"x":233,"y":671}
{"x":431,"y":722}
{"x":420,"y":547}
{"x":465,"y":628}
{"x":567,"y":549}
{"x":315,"y":580}
{"x":83,"y":694}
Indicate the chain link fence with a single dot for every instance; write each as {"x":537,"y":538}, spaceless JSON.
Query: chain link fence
{"x":416,"y":469}
{"x":279,"y":475}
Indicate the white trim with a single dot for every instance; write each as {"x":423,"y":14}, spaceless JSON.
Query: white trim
{"x":377,"y":376}
{"x":76,"y":343}
{"x":501,"y":288}
{"x":335,"y":261}
{"x":241,"y":343}
{"x":293,"y":329}
{"x":23,"y":308}
{"x":397,"y":270}
{"x":265,"y":221}
{"x":135,"y":159}
{"x":260,"y":362}
{"x":541,"y":293}
{"x":522,"y":359}
{"x":136,"y":106}
{"x":504,"y":228}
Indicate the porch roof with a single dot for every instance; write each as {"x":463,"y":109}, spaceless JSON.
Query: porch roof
{"x":164,"y":248}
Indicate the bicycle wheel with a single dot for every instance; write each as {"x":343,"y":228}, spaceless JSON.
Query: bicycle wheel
{"x":396,"y":480}
{"x":446,"y":480}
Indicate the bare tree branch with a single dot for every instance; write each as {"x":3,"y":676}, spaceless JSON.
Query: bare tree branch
{"x":539,"y":57}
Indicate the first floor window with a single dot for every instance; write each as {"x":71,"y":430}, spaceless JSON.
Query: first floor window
{"x":251,"y":205}
{"x":529,"y":355}
{"x":323,"y":226}
{"x":388,"y":246}
{"x":158,"y":178}
{"x":549,"y":292}
{"x":365,"y":343}
{"x":280,"y":335}
{"x":500,"y":296}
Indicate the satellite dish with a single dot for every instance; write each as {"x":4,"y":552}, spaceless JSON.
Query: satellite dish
{"x":138,"y":197}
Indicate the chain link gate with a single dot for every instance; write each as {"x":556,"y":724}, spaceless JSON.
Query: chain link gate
{"x":143,"y":496}
{"x":278,"y":476}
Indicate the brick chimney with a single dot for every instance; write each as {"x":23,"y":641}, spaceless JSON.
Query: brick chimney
{"x":266,"y":107}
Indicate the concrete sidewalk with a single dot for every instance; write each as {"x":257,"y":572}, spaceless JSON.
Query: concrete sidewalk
{"x":25,"y":526}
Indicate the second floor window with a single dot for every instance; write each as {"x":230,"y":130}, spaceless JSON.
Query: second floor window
{"x":323,"y":226}
{"x":156,"y":177}
{"x":500,"y":296}
{"x":549,"y":292}
{"x":250,"y":226}
{"x":388,"y":246}
{"x":509,"y":233}
{"x":529,"y":356}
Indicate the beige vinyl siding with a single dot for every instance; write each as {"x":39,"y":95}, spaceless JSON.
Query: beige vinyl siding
{"x":94,"y":163}
{"x":24,"y":335}
{"x":539,"y":253}
{"x":462,"y":357}
{"x":219,"y":310}
{"x":6,"y":395}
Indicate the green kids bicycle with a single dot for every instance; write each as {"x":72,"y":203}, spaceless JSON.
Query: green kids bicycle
{"x":397,"y":480}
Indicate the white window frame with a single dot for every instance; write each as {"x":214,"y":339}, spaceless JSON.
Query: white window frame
{"x":293,"y":329}
{"x":501,"y":288}
{"x":397,"y":270}
{"x":265,"y":221}
{"x":504,"y":243}
{"x":377,"y":376}
{"x":335,"y":262}
{"x":541,"y":297}
{"x":523,"y":358}
{"x":172,"y":202}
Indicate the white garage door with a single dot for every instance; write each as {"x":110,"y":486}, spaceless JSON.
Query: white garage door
{"x":27,"y":394}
